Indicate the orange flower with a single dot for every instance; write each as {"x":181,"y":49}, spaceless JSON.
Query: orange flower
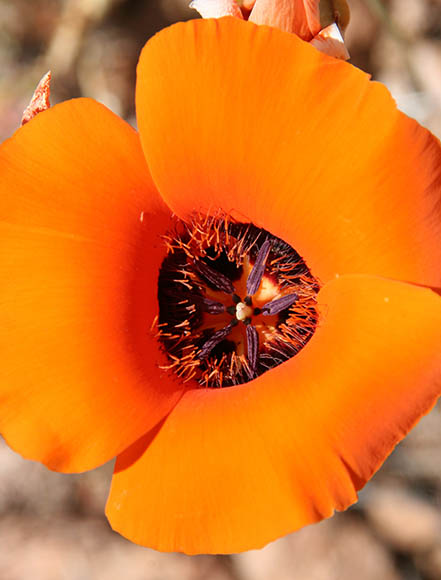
{"x":307,"y":148}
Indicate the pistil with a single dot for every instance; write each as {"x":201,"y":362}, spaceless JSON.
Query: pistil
{"x":243,"y":311}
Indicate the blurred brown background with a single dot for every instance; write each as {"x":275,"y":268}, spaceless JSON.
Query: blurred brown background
{"x":52,"y":526}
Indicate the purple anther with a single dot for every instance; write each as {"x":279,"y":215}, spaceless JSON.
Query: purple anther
{"x":212,"y":306}
{"x":209,"y":274}
{"x":215,"y":339}
{"x":279,"y":304}
{"x":258,"y":269}
{"x":252,"y":348}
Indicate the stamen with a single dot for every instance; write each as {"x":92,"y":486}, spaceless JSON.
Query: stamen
{"x":236,"y":298}
{"x":209,"y":257}
{"x":215,"y":339}
{"x":252,"y":348}
{"x":279,"y":304}
{"x":212,"y":306}
{"x":209,"y":274}
{"x":258,"y":269}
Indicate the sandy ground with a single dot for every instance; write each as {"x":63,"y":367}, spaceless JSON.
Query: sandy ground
{"x":52,"y":527}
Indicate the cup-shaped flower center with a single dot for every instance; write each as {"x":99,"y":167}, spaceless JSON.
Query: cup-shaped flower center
{"x":234,"y":301}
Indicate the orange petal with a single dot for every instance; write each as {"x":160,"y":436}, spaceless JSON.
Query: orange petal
{"x":305,"y":146}
{"x":235,"y":468}
{"x":79,"y":379}
{"x":299,"y":16}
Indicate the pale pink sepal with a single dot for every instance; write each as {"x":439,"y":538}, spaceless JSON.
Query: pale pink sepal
{"x":301,"y":17}
{"x":330,"y":41}
{"x":40,"y":99}
{"x":216,"y":8}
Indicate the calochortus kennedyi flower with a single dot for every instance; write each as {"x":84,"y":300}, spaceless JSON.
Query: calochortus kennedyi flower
{"x":239,"y":301}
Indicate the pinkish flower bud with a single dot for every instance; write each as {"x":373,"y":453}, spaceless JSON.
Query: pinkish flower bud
{"x":40,"y":99}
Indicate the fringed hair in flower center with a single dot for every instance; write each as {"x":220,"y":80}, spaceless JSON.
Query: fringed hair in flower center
{"x":234,"y":301}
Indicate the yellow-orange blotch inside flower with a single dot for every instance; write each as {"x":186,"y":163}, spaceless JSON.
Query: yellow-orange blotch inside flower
{"x":317,"y":193}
